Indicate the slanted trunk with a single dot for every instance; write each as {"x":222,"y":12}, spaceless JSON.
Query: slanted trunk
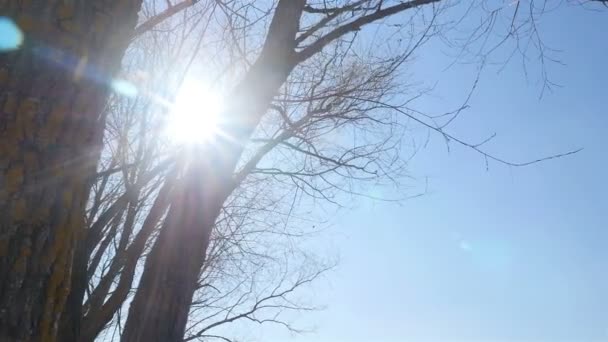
{"x":52,"y":90}
{"x":160,"y":308}
{"x":161,"y":304}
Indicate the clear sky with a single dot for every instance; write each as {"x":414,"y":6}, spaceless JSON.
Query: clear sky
{"x":508,"y":254}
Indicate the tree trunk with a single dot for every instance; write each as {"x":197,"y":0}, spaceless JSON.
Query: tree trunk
{"x":159,"y":310}
{"x":52,"y":90}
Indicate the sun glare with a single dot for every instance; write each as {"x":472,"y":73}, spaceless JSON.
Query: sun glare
{"x":193,"y":118}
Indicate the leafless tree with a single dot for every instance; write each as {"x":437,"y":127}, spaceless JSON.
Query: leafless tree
{"x":319,"y":105}
{"x":310,"y":82}
{"x":137,"y":176}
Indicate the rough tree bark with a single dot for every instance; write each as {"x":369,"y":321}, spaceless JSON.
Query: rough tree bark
{"x":52,"y":90}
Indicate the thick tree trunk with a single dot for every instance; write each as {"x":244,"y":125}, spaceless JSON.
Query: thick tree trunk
{"x":52,"y":90}
{"x":159,"y":310}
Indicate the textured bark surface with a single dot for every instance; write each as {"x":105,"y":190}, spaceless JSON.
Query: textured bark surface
{"x":52,"y":90}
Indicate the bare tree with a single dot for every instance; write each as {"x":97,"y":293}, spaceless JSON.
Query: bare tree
{"x":317,"y":105}
{"x":136,"y":183}
{"x":307,"y":81}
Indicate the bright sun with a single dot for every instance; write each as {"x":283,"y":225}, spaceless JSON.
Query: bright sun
{"x":193,"y":118}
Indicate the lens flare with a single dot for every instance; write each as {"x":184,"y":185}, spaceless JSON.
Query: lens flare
{"x":11,"y":36}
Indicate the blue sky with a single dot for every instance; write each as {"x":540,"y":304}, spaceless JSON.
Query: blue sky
{"x":508,"y":254}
